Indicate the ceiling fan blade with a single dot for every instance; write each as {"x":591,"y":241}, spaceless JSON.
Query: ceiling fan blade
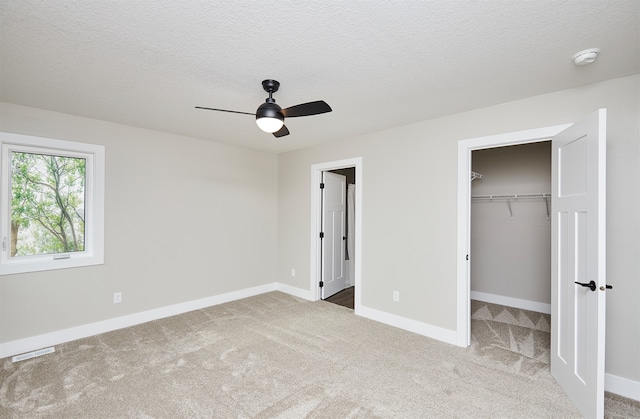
{"x":281,"y":132}
{"x":307,"y":109}
{"x":225,"y":110}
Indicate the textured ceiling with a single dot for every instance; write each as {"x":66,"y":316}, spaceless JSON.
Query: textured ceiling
{"x":378,"y":63}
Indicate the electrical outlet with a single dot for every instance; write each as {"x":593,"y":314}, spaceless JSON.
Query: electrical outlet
{"x":396,"y":296}
{"x":117,"y":297}
{"x":293,"y":272}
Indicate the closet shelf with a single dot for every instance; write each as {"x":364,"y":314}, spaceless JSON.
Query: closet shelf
{"x":509,"y":197}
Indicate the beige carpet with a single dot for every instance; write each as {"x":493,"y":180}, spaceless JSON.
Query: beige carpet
{"x":515,"y":337}
{"x":276,"y":356}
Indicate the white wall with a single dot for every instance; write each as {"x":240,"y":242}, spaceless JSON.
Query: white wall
{"x":409,"y":192}
{"x":511,"y":257}
{"x":185,"y":219}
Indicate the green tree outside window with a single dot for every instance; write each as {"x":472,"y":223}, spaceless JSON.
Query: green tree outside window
{"x":47,"y":204}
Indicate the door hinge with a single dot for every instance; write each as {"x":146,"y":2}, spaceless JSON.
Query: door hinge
{"x":322,"y":185}
{"x":321,"y":284}
{"x":4,"y":244}
{"x":321,"y":235}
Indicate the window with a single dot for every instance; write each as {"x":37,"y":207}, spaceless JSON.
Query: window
{"x":51,"y":204}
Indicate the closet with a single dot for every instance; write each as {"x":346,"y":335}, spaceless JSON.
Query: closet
{"x":510,"y":226}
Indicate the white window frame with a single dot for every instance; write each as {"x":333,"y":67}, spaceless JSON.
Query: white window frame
{"x":93,"y":253}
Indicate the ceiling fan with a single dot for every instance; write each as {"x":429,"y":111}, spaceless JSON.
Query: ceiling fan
{"x":270,"y":116}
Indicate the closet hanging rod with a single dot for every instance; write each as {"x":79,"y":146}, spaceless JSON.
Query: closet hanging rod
{"x":508,"y":197}
{"x":512,"y":196}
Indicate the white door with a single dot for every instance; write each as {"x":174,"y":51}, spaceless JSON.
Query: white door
{"x":333,"y":233}
{"x":578,"y":255}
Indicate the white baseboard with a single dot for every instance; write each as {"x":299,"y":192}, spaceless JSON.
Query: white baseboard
{"x":295,"y":291}
{"x":424,"y":329}
{"x":511,"y":302}
{"x":622,"y":386}
{"x":61,"y":336}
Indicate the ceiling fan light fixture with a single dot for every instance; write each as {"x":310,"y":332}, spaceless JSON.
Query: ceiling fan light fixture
{"x":269,"y":125}
{"x":269,"y":117}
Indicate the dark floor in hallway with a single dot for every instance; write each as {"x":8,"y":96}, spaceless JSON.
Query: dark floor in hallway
{"x":343,"y":298}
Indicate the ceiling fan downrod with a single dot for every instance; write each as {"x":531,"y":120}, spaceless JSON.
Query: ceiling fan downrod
{"x":270,"y":86}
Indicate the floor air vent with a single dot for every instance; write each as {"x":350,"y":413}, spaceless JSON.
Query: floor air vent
{"x":33,"y":354}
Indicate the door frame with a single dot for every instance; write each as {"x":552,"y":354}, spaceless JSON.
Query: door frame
{"x":465,"y":147}
{"x":316,"y":223}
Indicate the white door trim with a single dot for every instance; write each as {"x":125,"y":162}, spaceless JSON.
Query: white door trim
{"x":316,"y":217}
{"x":465,"y":147}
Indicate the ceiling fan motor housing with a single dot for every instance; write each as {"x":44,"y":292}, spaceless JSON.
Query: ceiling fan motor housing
{"x":269,"y":110}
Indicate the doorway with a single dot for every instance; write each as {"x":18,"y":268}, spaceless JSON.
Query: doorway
{"x":338,"y":246}
{"x":317,"y":170}
{"x":510,"y":277}
{"x":465,"y":149}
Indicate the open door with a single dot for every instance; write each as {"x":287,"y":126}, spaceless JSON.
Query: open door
{"x":334,"y":199}
{"x":578,"y":282}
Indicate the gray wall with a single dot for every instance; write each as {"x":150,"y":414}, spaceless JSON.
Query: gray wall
{"x":184,"y":219}
{"x":511,"y":257}
{"x":409,"y":210}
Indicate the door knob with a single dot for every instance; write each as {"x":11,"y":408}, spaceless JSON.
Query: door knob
{"x":591,"y":285}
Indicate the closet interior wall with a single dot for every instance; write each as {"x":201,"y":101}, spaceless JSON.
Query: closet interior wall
{"x":511,"y":236}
